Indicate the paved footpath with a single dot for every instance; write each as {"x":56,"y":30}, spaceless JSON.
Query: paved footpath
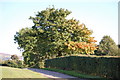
{"x":54,"y":75}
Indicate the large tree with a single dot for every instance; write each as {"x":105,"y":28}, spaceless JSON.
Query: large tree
{"x":52,"y":35}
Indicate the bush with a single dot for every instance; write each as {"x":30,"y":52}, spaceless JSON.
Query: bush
{"x":99,"y":66}
{"x":20,"y":63}
{"x":14,"y":63}
{"x":11,"y":63}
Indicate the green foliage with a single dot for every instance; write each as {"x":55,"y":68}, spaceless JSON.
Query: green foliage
{"x":100,"y":66}
{"x":11,"y":63}
{"x":107,"y":47}
{"x":47,"y":37}
{"x":14,"y":63}
{"x":14,"y":57}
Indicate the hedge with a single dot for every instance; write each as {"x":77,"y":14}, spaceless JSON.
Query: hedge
{"x":100,"y":66}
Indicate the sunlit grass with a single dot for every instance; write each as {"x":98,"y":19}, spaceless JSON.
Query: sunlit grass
{"x":8,"y":72}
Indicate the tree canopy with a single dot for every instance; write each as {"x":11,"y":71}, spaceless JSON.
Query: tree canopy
{"x":107,"y":46}
{"x":52,"y":35}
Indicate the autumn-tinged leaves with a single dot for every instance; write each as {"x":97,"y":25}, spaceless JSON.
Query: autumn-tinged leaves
{"x":85,"y":44}
{"x":82,"y":47}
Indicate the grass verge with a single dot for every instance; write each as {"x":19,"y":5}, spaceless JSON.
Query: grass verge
{"x":9,"y":72}
{"x":76,"y":74}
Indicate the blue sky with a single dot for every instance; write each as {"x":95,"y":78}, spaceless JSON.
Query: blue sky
{"x":101,"y":16}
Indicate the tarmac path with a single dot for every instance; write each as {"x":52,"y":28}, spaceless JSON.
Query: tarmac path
{"x":54,"y":75}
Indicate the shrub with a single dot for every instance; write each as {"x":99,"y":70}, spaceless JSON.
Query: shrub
{"x":20,"y":63}
{"x":11,"y":63}
{"x":14,"y":63}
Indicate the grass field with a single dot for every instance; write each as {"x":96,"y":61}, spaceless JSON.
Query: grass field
{"x":8,"y":72}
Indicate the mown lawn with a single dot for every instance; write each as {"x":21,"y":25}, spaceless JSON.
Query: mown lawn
{"x":9,"y":72}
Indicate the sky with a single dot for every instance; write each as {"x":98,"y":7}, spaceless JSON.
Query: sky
{"x":100,"y":16}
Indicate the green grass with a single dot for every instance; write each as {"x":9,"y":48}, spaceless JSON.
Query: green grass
{"x":76,"y":74}
{"x":9,"y":72}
